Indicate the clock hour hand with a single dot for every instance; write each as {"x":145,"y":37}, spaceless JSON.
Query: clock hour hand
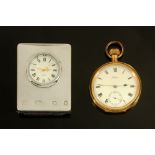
{"x":124,"y":85}
{"x":115,"y":86}
{"x":44,"y":69}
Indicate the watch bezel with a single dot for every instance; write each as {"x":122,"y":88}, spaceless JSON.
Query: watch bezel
{"x":124,"y":108}
{"x":50,"y":83}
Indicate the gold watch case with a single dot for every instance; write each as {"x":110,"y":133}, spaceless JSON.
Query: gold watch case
{"x":115,"y":57}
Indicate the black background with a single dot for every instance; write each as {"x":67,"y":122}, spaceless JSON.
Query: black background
{"x":88,"y":44}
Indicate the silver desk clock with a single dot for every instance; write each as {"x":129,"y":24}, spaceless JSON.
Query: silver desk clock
{"x":43,"y":78}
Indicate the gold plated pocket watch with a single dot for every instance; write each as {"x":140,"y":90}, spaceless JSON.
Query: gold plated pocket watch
{"x":115,"y":86}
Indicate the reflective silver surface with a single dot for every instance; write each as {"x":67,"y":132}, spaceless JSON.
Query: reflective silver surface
{"x":56,"y":98}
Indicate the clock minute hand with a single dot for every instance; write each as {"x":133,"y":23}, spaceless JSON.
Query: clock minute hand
{"x":115,"y":86}
{"x":106,"y":85}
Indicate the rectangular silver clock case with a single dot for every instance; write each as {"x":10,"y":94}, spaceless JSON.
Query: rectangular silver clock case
{"x":43,"y":78}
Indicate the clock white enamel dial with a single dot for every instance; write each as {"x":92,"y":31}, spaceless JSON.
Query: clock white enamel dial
{"x":43,"y":70}
{"x":115,"y":86}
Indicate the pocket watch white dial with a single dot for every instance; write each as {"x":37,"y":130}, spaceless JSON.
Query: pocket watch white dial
{"x":115,"y":86}
{"x":43,"y":70}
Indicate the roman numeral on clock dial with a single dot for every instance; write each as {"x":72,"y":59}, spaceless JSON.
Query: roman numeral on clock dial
{"x":100,"y":94}
{"x":97,"y":86}
{"x":34,"y":74}
{"x":37,"y":78}
{"x":44,"y":69}
{"x":115,"y":69}
{"x":44,"y":59}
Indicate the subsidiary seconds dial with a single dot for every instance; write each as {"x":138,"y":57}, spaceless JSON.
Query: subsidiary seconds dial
{"x":43,"y":70}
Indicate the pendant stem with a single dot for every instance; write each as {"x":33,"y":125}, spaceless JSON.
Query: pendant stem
{"x":114,"y":58}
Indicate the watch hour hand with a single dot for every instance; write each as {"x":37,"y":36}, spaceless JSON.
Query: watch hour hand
{"x":114,"y":86}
